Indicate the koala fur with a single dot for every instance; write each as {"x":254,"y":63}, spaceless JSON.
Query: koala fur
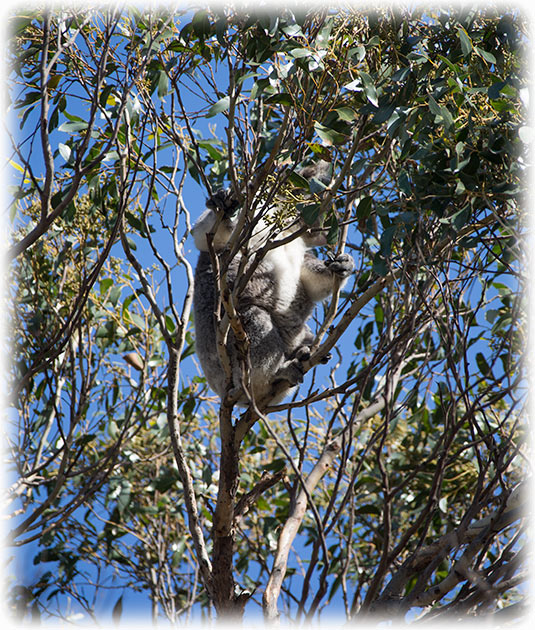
{"x":273,"y":306}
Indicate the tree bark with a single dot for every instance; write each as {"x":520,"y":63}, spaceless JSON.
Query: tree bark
{"x":226,"y":601}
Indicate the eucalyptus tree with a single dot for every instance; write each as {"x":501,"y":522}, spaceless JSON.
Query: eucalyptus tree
{"x":392,"y":483}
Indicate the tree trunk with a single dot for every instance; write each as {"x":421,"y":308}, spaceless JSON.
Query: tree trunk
{"x":226,"y":601}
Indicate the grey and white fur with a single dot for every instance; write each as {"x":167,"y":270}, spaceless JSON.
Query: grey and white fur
{"x":273,"y":306}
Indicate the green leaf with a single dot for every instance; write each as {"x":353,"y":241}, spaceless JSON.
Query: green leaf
{"x":379,"y":314}
{"x":384,"y":113}
{"x":221,"y":106}
{"x":365,"y":207}
{"x":354,"y":86}
{"x":333,"y":228}
{"x":329,"y":136}
{"x":65,"y":151}
{"x":73,"y":117}
{"x":346,"y":113}
{"x":482,"y":364}
{"x":487,"y":56}
{"x":434,"y":107}
{"x":123,"y":500}
{"x":17,"y":25}
{"x":163,"y":84}
{"x":189,"y":406}
{"x":374,"y":41}
{"x":386,"y":240}
{"x":299,"y":53}
{"x":220,"y":30}
{"x":298,"y":180}
{"x":276,"y":465}
{"x":170,"y":324}
{"x":394,"y":123}
{"x":178,"y":553}
{"x":401,"y":74}
{"x":359,"y":52}
{"x":135,"y":222}
{"x":441,"y":112}
{"x":105,"y":284}
{"x":379,"y":265}
{"x":404,"y":183}
{"x":459,"y":219}
{"x":466,"y":42}
{"x":283,"y":98}
{"x":369,"y":88}
{"x":54,"y":119}
{"x":453,"y":67}
{"x":201,"y":24}
{"x":115,"y":294}
{"x":309,"y":211}
{"x":495,"y":89}
{"x":85,"y":439}
{"x":370,"y":508}
{"x":247,"y":75}
{"x":207,"y":474}
{"x":69,"y":127}
{"x":292,"y":30}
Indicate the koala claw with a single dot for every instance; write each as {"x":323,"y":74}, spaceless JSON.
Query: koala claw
{"x":343,"y":265}
{"x":292,"y":372}
{"x":223,"y":200}
{"x":302,"y":353}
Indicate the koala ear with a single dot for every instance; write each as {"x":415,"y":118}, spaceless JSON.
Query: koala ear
{"x":224,"y":201}
{"x":205,"y":225}
{"x":202,"y":227}
{"x":320,"y":171}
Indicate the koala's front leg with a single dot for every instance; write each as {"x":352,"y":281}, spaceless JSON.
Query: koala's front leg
{"x":318,"y":275}
{"x":342,"y":265}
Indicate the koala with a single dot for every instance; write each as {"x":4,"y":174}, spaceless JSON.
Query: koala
{"x":273,"y":306}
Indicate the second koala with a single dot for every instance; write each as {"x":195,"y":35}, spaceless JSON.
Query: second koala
{"x":273,"y":306}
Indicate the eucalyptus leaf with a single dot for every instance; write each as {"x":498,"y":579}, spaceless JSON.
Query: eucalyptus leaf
{"x":65,"y":151}
{"x":70,"y":127}
{"x":466,"y":42}
{"x":221,"y":105}
{"x":330,"y":136}
{"x":309,"y":212}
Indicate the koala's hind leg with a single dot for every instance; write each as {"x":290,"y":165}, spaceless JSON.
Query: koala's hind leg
{"x":266,"y":348}
{"x":271,"y":362}
{"x":302,"y":353}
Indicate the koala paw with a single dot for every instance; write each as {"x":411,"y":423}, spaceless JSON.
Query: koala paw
{"x":343,"y":265}
{"x":292,"y":373}
{"x":224,"y":201}
{"x":302,"y":353}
